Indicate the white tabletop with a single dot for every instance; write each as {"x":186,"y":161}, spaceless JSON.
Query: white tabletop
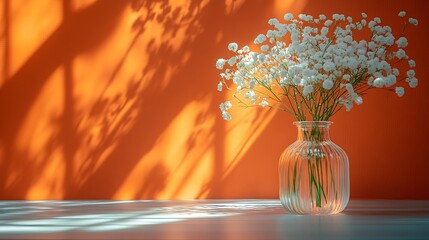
{"x":208,"y":219}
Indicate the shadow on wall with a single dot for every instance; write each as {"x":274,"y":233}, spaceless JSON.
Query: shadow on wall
{"x":152,"y":133}
{"x":79,"y":32}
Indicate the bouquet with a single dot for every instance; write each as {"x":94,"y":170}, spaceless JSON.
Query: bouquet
{"x":314,"y":67}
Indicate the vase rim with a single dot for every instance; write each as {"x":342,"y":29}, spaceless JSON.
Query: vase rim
{"x":307,"y":123}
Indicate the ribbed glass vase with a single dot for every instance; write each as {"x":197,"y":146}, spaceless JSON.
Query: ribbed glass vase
{"x":314,"y":172}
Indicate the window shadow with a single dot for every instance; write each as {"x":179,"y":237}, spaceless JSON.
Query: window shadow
{"x":80,"y":31}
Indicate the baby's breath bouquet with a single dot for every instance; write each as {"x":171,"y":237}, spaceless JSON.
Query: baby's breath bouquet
{"x":312,"y":67}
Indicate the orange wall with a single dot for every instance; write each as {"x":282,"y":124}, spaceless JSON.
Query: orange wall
{"x":117,"y":100}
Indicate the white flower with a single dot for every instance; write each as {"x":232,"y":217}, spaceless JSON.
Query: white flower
{"x":338,"y":17}
{"x":233,"y":47}
{"x":328,"y":23}
{"x":322,"y":17}
{"x":219,"y":86}
{"x":384,"y":66}
{"x":246,"y":49}
{"x":324,"y":31}
{"x":413,"y":82}
{"x":273,"y":21}
{"x":328,"y":84}
{"x":318,"y":66}
{"x":225,"y":106}
{"x":402,"y":42}
{"x":329,"y":66}
{"x":305,"y":17}
{"x":252,"y":84}
{"x":379,"y":82}
{"x":237,"y":78}
{"x":265,"y":48}
{"x":395,"y":71}
{"x":346,"y":77}
{"x":346,"y":103}
{"x":294,"y":36}
{"x":263,"y":103}
{"x":412,"y":63}
{"x":307,"y":90}
{"x":358,"y":100}
{"x":370,"y":81}
{"x":349,"y":88}
{"x":288,"y":16}
{"x":220,"y":63}
{"x":226,"y":116}
{"x":297,"y":80}
{"x":248,"y":94}
{"x":401,"y":13}
{"x":401,"y":54}
{"x":253,"y":100}
{"x":232,"y":61}
{"x":260,"y":39}
{"x":253,"y":56}
{"x":389,"y":40}
{"x":413,"y":21}
{"x":352,"y":64}
{"x":364,"y":15}
{"x":411,"y":73}
{"x":228,"y":105}
{"x":399,"y":91}
{"x":390,"y":80}
{"x":272,"y":33}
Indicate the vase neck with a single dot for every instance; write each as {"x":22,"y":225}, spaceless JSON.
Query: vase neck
{"x":313,"y":130}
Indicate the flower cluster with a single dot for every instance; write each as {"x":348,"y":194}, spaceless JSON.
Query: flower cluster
{"x":312,"y":67}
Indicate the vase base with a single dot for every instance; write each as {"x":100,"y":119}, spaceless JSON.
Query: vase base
{"x":328,"y":210}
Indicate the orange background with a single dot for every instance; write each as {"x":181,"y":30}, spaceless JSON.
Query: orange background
{"x":117,"y":100}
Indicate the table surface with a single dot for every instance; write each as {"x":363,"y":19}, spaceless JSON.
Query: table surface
{"x":209,"y":219}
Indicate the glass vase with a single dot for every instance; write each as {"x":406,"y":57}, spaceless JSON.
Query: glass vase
{"x":314,"y":172}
